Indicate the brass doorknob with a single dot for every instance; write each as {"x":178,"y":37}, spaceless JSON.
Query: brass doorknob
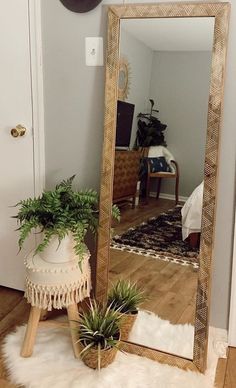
{"x":19,"y":130}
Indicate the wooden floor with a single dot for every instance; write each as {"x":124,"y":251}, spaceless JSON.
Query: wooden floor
{"x":226,"y":371}
{"x":131,"y":217}
{"x":14,"y":311}
{"x":170,"y":288}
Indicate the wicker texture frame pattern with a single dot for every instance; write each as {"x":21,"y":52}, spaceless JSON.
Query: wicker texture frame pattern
{"x":220,"y":11}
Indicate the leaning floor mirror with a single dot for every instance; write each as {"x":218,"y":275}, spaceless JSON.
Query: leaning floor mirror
{"x":165,"y":124}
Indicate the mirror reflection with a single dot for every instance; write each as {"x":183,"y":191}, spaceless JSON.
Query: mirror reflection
{"x":158,"y":174}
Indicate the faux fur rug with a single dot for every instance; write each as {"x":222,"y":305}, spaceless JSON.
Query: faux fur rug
{"x":161,"y":238}
{"x":53,"y":366}
{"x":154,"y":332}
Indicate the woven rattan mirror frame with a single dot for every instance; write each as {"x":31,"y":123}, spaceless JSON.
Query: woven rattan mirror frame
{"x":220,"y":11}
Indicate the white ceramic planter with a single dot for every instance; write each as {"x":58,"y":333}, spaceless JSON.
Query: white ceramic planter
{"x":59,"y":253}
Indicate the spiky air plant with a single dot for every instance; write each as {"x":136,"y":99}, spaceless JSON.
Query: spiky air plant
{"x":98,"y":329}
{"x":125,"y":297}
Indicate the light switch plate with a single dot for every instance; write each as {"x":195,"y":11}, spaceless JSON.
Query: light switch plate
{"x":94,"y":51}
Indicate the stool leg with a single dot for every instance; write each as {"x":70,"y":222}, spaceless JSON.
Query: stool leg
{"x":72,"y":312}
{"x":84,"y":305}
{"x":43,"y":315}
{"x":30,"y":334}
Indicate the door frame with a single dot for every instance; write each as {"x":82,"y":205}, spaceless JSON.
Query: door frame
{"x":35,"y":44}
{"x":232,"y":314}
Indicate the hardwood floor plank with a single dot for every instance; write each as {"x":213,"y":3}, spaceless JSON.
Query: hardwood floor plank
{"x":172,"y":276}
{"x":132,"y":217}
{"x":17,"y":316}
{"x":220,"y":373}
{"x":14,"y":311}
{"x":230,"y":376}
{"x":5,"y":384}
{"x":162,"y":282}
{"x":188,"y":315}
{"x":8,"y":300}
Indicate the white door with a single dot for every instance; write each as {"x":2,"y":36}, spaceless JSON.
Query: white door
{"x":16,"y":153}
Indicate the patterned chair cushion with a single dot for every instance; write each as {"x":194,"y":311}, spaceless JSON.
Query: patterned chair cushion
{"x":156,"y":165}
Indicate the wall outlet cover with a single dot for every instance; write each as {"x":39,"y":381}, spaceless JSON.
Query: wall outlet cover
{"x":94,"y":51}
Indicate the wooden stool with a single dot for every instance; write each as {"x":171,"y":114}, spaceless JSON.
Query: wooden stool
{"x":58,"y":286}
{"x":32,"y":326}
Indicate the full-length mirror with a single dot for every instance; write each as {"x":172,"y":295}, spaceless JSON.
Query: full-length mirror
{"x":162,"y":120}
{"x":160,"y":155}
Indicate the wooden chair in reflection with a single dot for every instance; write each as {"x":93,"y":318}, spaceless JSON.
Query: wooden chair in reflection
{"x":126,"y":176}
{"x":156,"y":152}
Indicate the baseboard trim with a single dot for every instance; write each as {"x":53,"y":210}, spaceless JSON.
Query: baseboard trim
{"x":219,"y":341}
{"x":168,"y":196}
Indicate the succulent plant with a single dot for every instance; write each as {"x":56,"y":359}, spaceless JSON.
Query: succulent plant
{"x":98,"y":328}
{"x":125,"y":296}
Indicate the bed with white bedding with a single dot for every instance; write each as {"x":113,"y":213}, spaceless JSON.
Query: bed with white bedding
{"x":192,"y":213}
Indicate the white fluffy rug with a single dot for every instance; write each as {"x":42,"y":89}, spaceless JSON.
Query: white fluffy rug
{"x":53,"y":365}
{"x":156,"y":333}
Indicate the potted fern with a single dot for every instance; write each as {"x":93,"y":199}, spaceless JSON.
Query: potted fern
{"x":125,"y":297}
{"x":63,"y":216}
{"x":99,"y":335}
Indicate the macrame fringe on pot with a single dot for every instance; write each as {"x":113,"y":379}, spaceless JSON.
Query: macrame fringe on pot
{"x":57,"y":297}
{"x":57,"y":286}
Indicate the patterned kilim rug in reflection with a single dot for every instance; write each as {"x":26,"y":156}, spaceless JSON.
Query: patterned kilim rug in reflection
{"x":159,"y":237}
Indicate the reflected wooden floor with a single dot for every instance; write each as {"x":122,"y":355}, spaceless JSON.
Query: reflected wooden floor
{"x":131,"y":217}
{"x":170,"y":288}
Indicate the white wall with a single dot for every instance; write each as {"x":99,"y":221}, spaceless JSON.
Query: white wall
{"x":74,"y":123}
{"x":139,"y":57}
{"x":180,"y":85}
{"x":221,"y":276}
{"x":74,"y":95}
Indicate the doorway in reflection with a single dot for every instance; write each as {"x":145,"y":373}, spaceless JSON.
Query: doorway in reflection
{"x":157,"y":242}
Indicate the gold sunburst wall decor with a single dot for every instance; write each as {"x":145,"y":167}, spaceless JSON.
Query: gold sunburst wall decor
{"x":124,"y":79}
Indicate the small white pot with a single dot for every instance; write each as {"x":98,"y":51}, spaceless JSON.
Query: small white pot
{"x":57,"y":252}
